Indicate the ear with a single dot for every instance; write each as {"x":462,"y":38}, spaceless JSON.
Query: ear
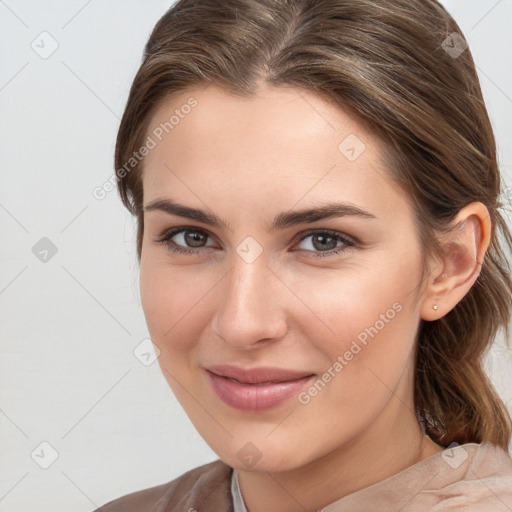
{"x":464,"y":248}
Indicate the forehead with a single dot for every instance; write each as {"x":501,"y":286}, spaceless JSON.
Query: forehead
{"x":283,"y":111}
{"x":282,"y":142}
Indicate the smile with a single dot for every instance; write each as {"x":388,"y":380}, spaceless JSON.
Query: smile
{"x":256,"y":389}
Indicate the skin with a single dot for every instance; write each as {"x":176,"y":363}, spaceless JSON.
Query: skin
{"x":246,"y":160}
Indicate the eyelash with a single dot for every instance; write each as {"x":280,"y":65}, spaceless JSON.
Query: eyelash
{"x":347,"y":241}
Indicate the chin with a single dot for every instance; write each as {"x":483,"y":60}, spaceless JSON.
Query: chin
{"x":260,"y":456}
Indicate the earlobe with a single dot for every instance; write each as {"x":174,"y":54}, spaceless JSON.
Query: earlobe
{"x":463,"y":253}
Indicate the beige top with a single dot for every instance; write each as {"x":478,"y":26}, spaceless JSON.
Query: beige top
{"x":467,"y":478}
{"x":470,"y":477}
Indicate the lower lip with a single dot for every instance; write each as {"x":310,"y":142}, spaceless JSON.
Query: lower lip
{"x":255,"y":397}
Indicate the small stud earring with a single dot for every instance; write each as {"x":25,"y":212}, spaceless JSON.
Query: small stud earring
{"x":436,"y":307}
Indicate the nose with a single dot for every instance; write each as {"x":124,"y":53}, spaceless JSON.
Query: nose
{"x":250,"y":308}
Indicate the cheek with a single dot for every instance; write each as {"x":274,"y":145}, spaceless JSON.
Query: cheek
{"x":366,"y":317}
{"x":364,"y":360}
{"x":172,"y":301}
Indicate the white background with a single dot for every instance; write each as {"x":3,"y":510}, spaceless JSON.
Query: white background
{"x":68,"y":327}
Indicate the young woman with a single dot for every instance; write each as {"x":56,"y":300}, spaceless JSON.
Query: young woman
{"x":318,"y":204}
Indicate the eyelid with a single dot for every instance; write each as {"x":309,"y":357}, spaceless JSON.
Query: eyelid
{"x":179,"y":229}
{"x":300,"y":236}
{"x":332,"y":232}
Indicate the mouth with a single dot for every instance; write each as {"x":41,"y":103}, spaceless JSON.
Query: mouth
{"x":256,"y":389}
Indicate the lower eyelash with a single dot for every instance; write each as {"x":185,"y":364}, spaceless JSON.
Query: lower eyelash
{"x":348,"y":243}
{"x":184,"y":250}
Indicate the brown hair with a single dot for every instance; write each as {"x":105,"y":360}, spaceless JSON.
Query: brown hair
{"x":389,"y":64}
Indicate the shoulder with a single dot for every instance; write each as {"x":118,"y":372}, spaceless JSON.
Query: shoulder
{"x":204,"y":488}
{"x":475,"y":477}
{"x":492,"y":465}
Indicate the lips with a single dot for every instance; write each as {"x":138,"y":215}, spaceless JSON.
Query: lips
{"x":256,"y":389}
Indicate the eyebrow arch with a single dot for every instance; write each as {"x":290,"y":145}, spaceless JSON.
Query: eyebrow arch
{"x":281,"y":221}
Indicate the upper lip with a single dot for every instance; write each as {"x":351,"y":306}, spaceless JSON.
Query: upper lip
{"x":258,"y":374}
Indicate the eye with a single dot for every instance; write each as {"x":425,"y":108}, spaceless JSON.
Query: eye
{"x":322,"y":243}
{"x":183,"y":236}
{"x":325,"y":243}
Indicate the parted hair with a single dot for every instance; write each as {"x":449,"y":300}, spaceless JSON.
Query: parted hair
{"x":399,"y":67}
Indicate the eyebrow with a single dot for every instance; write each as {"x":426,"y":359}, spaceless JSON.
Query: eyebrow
{"x":281,"y":221}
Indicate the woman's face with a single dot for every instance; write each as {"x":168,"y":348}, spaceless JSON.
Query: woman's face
{"x":285,"y":301}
